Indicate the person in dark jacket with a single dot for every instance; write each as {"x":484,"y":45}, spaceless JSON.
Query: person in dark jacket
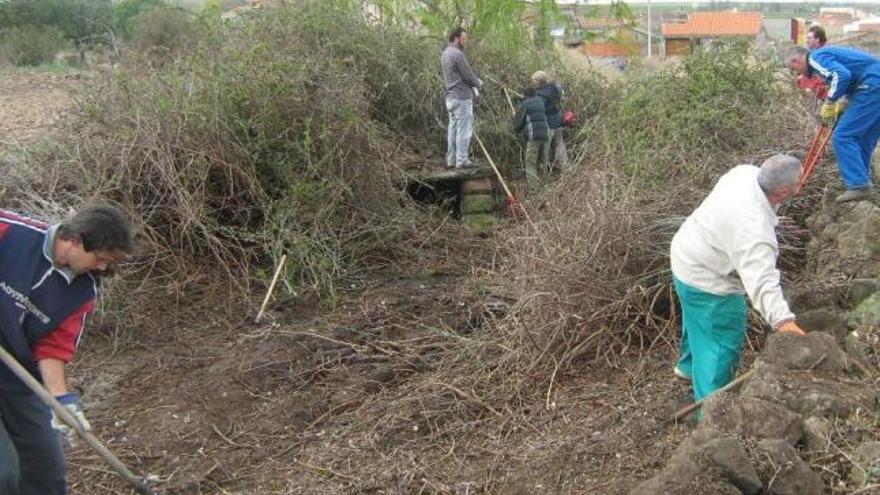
{"x":48,"y":284}
{"x":552,"y":94}
{"x":531,"y":122}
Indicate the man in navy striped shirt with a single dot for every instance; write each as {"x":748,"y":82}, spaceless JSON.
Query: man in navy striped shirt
{"x":48,"y":284}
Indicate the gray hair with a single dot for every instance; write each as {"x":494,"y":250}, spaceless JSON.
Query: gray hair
{"x":794,"y":52}
{"x":779,"y":171}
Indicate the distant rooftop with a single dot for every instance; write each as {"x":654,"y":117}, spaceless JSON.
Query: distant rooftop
{"x":712,"y":24}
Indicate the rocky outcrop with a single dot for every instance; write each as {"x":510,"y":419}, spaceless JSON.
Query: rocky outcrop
{"x":806,"y":396}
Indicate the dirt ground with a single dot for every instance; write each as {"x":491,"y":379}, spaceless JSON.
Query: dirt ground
{"x":345,"y":399}
{"x":33,"y":103}
{"x":296,"y":406}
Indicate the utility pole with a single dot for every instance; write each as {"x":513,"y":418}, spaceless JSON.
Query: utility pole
{"x":649,"y":29}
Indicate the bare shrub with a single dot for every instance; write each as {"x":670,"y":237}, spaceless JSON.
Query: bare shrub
{"x":30,"y":45}
{"x":589,"y":271}
{"x":164,"y":32}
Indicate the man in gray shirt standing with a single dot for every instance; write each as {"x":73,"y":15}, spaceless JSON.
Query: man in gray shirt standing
{"x":461,"y":89}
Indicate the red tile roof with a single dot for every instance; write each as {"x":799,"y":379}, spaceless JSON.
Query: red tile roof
{"x":714,"y":24}
{"x":833,"y":18}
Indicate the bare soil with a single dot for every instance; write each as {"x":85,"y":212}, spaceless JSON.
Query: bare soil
{"x":296,"y":406}
{"x":344,"y":398}
{"x":33,"y":104}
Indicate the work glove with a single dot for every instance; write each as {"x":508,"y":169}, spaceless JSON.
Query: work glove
{"x":791,"y":327}
{"x":476,"y":92}
{"x":830,"y":111}
{"x":71,"y":402}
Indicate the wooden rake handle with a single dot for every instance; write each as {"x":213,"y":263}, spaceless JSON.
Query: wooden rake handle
{"x":682,"y":413}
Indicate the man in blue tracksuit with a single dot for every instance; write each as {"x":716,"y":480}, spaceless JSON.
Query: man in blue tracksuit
{"x":48,"y":284}
{"x":852,"y":77}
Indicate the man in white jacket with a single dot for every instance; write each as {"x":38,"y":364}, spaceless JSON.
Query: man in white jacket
{"x":725,"y":248}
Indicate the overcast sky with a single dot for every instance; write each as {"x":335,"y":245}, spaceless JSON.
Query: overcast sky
{"x":829,"y":3}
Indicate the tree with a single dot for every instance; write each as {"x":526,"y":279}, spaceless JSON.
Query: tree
{"x":126,"y":12}
{"x":83,"y":22}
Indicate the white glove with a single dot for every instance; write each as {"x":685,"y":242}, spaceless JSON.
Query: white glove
{"x":481,"y":82}
{"x":476,"y":92}
{"x":70,"y":401}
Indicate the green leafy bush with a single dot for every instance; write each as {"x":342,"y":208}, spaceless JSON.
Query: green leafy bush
{"x":689,"y":120}
{"x":30,"y":45}
{"x":82,"y":22}
{"x":164,"y":32}
{"x":126,"y":13}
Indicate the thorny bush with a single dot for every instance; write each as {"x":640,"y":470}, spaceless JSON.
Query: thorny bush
{"x":589,"y":271}
{"x":277,"y":132}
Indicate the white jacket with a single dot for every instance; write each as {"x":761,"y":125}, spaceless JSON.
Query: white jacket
{"x":733,"y":230}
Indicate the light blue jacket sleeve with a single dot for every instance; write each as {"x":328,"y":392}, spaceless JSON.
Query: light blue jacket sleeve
{"x":835,"y":74}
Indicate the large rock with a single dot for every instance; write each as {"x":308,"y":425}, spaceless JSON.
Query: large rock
{"x":861,"y":289}
{"x":751,"y":417}
{"x":693,"y":470}
{"x":866,"y":464}
{"x":820,"y":394}
{"x":479,"y":222}
{"x":699,"y":484}
{"x":827,"y":320}
{"x":814,"y":351}
{"x":477,"y":203}
{"x":867,"y":313}
{"x":480,"y":185}
{"x":785,"y":472}
{"x":859,"y":240}
{"x":809,"y":297}
{"x":731,"y":458}
{"x":817,"y":433}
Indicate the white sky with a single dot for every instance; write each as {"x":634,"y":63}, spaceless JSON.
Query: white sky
{"x":835,"y":3}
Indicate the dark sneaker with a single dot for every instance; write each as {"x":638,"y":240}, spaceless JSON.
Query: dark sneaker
{"x":862,"y":193}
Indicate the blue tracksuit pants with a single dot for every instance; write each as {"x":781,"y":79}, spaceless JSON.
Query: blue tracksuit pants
{"x":31,"y":454}
{"x":713,"y":329}
{"x":856,"y":135}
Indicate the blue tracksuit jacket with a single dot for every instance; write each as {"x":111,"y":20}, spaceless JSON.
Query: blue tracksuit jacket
{"x":856,"y":75}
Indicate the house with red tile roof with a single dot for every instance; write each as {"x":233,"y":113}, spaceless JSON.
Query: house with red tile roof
{"x":703,"y":28}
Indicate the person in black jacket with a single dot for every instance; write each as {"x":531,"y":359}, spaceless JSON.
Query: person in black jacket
{"x":552,"y":94}
{"x":531,"y":122}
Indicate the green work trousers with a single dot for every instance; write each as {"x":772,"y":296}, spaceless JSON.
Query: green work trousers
{"x":713,"y":329}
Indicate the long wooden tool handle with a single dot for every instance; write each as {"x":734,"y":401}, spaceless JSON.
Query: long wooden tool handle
{"x":814,"y":152}
{"x":68,"y":418}
{"x":271,"y":288}
{"x":681,"y":414}
{"x":509,"y":101}
{"x":495,"y":168}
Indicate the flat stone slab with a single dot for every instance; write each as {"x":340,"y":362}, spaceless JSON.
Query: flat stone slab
{"x":453,"y":174}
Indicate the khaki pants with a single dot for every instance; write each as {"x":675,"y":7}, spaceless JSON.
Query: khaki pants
{"x":558,"y":157}
{"x":536,"y":162}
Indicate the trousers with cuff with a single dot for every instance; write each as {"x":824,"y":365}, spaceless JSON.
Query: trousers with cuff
{"x":31,"y":452}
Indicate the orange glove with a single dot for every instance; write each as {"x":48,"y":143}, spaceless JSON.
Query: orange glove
{"x":791,"y":327}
